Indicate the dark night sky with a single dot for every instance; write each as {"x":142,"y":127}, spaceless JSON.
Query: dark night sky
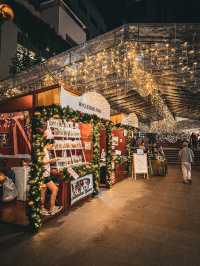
{"x":117,"y":12}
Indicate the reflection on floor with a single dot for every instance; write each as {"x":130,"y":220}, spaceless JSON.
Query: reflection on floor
{"x":14,"y":212}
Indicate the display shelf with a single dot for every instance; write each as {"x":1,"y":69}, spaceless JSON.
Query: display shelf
{"x":68,"y":148}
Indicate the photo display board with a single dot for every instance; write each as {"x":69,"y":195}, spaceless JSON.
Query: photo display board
{"x":82,"y":187}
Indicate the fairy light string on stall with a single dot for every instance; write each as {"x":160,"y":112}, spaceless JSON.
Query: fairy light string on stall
{"x":39,"y":119}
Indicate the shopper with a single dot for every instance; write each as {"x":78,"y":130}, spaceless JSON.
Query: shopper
{"x":193,"y":141}
{"x":186,"y":156}
{"x":5,"y":168}
{"x":48,"y":183}
{"x":9,"y":191}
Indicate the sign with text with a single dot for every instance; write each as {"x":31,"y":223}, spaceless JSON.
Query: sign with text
{"x":89,"y":103}
{"x":81,"y":188}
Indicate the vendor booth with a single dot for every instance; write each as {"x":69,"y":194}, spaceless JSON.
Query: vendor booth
{"x":15,"y":156}
{"x":74,"y":143}
{"x":79,"y":140}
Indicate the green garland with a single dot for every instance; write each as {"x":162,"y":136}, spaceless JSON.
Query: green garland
{"x":109,"y":153}
{"x":120,"y":159}
{"x":81,"y":170}
{"x":129,"y":149}
{"x":39,"y":119}
{"x":96,"y":155}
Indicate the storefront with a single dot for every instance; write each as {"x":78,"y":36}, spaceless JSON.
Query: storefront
{"x":83,"y":139}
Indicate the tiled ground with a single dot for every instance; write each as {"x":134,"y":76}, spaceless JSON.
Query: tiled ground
{"x":148,"y":222}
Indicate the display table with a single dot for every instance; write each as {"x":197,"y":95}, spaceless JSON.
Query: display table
{"x":73,"y":191}
{"x":158,"y":167}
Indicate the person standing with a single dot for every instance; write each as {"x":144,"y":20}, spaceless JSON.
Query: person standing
{"x":193,"y":141}
{"x":48,"y":182}
{"x":186,"y":156}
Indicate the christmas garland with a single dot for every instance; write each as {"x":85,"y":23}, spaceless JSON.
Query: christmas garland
{"x":109,"y":154}
{"x":129,"y":148}
{"x":121,"y":159}
{"x":81,"y":170}
{"x":39,"y":119}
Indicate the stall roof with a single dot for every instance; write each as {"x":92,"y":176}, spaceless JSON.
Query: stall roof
{"x":150,"y":69}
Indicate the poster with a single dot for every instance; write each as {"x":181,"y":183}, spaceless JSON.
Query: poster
{"x":81,"y":188}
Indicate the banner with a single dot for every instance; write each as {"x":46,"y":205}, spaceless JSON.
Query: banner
{"x":81,"y":188}
{"x":89,"y":103}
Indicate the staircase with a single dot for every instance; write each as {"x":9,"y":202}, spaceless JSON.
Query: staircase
{"x":172,"y":156}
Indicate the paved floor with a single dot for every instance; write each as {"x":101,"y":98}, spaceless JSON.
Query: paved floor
{"x":155,"y":222}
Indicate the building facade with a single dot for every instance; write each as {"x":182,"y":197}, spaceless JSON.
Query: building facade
{"x":43,"y":28}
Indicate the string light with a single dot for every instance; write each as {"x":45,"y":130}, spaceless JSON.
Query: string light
{"x":118,"y":67}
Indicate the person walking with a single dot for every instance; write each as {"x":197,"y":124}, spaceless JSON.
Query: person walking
{"x":193,"y":141}
{"x":186,"y":156}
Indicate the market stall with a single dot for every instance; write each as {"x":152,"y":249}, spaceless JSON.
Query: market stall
{"x":80,"y":139}
{"x":15,"y":156}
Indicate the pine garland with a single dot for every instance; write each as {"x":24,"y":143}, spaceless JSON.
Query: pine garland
{"x":109,"y":153}
{"x":39,"y":119}
{"x":129,"y":149}
{"x":96,"y":156}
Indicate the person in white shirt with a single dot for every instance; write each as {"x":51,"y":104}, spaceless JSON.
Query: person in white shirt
{"x":186,"y":156}
{"x":48,"y":182}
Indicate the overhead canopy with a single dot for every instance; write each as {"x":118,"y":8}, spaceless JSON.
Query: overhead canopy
{"x":149,"y":69}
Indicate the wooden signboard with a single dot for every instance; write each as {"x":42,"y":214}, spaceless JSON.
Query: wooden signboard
{"x":139,"y":165}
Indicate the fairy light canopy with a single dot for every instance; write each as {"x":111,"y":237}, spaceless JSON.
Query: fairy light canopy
{"x":149,"y":69}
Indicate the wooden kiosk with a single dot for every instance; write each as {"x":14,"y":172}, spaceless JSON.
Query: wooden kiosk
{"x":22,"y":124}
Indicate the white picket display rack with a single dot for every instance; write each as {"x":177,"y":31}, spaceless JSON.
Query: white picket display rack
{"x":68,"y":148}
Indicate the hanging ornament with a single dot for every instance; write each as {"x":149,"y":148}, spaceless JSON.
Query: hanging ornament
{"x":6,"y":12}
